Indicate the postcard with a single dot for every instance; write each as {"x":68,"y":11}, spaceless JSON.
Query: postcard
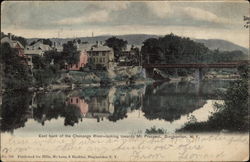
{"x":124,"y":81}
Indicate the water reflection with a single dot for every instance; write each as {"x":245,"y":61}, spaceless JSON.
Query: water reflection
{"x":166,"y":101}
{"x":15,"y":110}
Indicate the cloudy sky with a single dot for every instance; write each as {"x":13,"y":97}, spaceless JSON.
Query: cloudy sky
{"x":222,"y":20}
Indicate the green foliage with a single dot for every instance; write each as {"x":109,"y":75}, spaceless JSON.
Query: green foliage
{"x":70,"y":53}
{"x":46,"y":76}
{"x":17,"y":75}
{"x":214,"y":56}
{"x":243,"y":71}
{"x":117,"y":45}
{"x":56,"y":57}
{"x":77,"y":40}
{"x":153,"y":130}
{"x":172,"y":49}
{"x":39,"y":62}
{"x":232,"y":115}
{"x":22,"y":40}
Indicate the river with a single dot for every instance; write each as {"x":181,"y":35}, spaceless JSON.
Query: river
{"x":114,"y":110}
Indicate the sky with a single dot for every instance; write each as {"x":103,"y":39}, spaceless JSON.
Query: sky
{"x":66,"y":19}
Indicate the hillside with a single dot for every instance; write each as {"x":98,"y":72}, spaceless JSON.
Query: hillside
{"x":222,"y":45}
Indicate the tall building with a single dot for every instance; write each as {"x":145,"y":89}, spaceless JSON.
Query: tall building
{"x":100,"y":54}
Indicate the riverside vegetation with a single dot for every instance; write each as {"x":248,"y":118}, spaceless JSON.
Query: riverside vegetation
{"x":231,"y":116}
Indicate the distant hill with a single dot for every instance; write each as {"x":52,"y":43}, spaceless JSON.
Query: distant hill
{"x":138,"y":39}
{"x":135,"y":39}
{"x":222,"y":45}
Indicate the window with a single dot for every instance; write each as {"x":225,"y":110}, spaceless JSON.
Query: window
{"x":76,"y":65}
{"x":77,"y":100}
{"x":71,"y":100}
{"x":71,"y":65}
{"x":103,"y":53}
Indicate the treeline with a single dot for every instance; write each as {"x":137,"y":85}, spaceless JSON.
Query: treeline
{"x":172,"y":49}
{"x":175,"y":49}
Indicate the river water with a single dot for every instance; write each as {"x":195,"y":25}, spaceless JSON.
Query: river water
{"x":113,"y":110}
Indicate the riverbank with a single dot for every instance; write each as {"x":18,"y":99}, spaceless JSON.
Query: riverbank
{"x":118,"y":75}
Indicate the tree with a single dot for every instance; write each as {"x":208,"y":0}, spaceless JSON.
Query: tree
{"x":17,"y":76}
{"x":38,"y":62}
{"x":77,"y":40}
{"x":172,"y":49}
{"x":70,"y":53}
{"x":117,"y":45}
{"x":22,"y":40}
{"x":151,"y":51}
{"x":56,"y":57}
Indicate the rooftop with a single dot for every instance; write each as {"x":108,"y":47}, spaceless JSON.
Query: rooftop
{"x":12,"y":43}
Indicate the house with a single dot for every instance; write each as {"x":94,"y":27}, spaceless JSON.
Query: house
{"x":39,"y":46}
{"x":20,"y":49}
{"x":14,"y":44}
{"x":94,"y":54}
{"x":37,"y":49}
{"x":98,"y":108}
{"x":101,"y":55}
{"x":80,"y":103}
{"x":57,"y":46}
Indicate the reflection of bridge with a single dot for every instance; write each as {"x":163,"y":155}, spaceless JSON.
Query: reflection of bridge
{"x":149,"y":67}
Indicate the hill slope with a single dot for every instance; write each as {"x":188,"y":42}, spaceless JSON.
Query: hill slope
{"x":222,"y":45}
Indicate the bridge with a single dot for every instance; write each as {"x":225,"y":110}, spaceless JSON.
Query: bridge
{"x":198,"y":66}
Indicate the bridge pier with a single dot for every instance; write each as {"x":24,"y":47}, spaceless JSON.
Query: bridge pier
{"x":198,"y":75}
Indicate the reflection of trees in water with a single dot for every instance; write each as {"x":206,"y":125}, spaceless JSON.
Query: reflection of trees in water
{"x":124,"y":102}
{"x":165,"y":101}
{"x":53,"y":105}
{"x":72,"y":115}
{"x":15,"y":110}
{"x":169,"y":103}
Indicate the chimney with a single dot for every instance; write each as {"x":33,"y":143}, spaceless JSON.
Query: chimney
{"x":10,"y":36}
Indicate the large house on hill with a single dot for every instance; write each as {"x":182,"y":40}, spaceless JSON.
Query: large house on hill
{"x":94,"y":54}
{"x":100,"y":54}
